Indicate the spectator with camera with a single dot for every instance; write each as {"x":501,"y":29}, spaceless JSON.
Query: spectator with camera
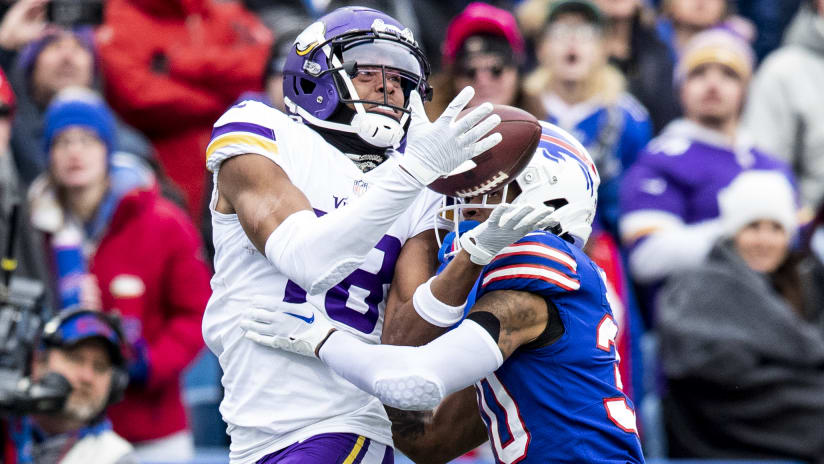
{"x":116,"y":244}
{"x":85,"y":348}
{"x":742,"y":335}
{"x":42,"y":58}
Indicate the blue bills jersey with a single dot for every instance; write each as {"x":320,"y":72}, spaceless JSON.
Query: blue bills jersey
{"x":562,"y":402}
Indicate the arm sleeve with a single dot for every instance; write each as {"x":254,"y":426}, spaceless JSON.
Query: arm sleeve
{"x":415,"y":378}
{"x":318,"y":252}
{"x":314,"y":252}
{"x":185,"y":293}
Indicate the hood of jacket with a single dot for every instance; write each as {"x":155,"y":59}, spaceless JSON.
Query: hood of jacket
{"x":807,"y":30}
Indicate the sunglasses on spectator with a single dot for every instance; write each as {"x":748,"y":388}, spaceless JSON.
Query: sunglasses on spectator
{"x":471,"y":72}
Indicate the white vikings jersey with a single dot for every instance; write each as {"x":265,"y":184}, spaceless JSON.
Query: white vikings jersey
{"x":274,"y":398}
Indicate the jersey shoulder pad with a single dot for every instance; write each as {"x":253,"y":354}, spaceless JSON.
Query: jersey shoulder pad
{"x":541,"y":263}
{"x":248,"y":127}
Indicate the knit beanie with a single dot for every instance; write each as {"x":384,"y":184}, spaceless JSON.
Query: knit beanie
{"x":755,"y":195}
{"x":719,"y":46}
{"x":79,"y":107}
{"x":28,"y":56}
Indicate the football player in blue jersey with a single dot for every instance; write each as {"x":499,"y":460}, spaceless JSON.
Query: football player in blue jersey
{"x":538,"y":343}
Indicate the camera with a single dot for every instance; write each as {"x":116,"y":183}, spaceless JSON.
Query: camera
{"x":21,"y":301}
{"x":71,"y":13}
{"x":19,"y":331}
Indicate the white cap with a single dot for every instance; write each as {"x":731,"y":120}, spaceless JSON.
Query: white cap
{"x":755,"y":195}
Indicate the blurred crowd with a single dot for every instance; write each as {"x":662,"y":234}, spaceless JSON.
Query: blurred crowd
{"x":705,"y":119}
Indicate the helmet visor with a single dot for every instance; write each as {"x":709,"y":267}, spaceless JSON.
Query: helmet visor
{"x":394,"y":64}
{"x":383,"y":53}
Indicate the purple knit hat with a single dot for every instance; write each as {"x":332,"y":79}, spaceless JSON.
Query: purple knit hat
{"x":28,"y":56}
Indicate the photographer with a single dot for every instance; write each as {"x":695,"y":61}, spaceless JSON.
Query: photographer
{"x":83,"y":346}
{"x":116,"y":243}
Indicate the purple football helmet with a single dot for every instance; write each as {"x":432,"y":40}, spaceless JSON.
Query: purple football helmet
{"x":348,"y":44}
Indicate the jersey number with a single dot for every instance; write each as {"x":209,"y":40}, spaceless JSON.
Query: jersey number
{"x":355,"y":300}
{"x":507,"y":431}
{"x":617,"y":408}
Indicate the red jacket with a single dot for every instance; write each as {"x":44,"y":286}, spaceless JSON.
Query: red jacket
{"x":172,"y":67}
{"x":149,"y":266}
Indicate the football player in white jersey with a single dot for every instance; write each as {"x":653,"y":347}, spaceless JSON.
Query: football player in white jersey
{"x":320,"y":208}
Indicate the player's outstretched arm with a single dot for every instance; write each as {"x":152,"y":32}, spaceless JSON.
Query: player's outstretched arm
{"x":414,"y":378}
{"x":317,"y":253}
{"x":439,"y":302}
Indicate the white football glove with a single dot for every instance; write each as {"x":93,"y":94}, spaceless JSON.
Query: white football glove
{"x":507,"y":224}
{"x":300,"y":330}
{"x":435,"y":149}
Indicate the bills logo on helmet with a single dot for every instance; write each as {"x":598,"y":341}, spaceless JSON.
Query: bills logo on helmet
{"x":555,"y":147}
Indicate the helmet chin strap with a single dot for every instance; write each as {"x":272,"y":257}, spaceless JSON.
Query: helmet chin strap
{"x":377,"y":129}
{"x":374,"y":128}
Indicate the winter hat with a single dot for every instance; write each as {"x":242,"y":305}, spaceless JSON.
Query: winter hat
{"x":755,"y":195}
{"x":585,"y":7}
{"x":496,"y":31}
{"x":28,"y":56}
{"x":720,"y":46}
{"x":78,"y":106}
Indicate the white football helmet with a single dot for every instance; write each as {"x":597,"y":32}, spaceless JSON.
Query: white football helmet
{"x":561,"y":174}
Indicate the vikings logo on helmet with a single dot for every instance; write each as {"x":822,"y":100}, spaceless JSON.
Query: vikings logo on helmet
{"x":318,"y":74}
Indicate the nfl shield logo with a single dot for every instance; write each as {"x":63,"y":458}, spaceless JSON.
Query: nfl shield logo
{"x":359,"y":187}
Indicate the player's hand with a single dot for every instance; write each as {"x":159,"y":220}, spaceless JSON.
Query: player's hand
{"x":507,"y":224}
{"x":435,"y":149}
{"x":299,"y":330}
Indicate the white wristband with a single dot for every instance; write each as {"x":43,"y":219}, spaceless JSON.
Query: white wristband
{"x":433,"y":310}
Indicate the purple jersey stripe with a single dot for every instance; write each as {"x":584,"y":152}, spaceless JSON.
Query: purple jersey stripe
{"x":243,"y":127}
{"x":388,"y":456}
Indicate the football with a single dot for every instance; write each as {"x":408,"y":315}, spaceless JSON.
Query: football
{"x":501,"y":164}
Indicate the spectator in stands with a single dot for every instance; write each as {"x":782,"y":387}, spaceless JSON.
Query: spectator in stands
{"x":668,"y":198}
{"x":143,"y":258}
{"x":483,"y":48}
{"x":635,"y":48}
{"x":41,"y":59}
{"x":586,"y":96}
{"x":682,"y":19}
{"x":785,"y":110}
{"x":742,"y":336}
{"x":172,"y":67}
{"x":83,"y":347}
